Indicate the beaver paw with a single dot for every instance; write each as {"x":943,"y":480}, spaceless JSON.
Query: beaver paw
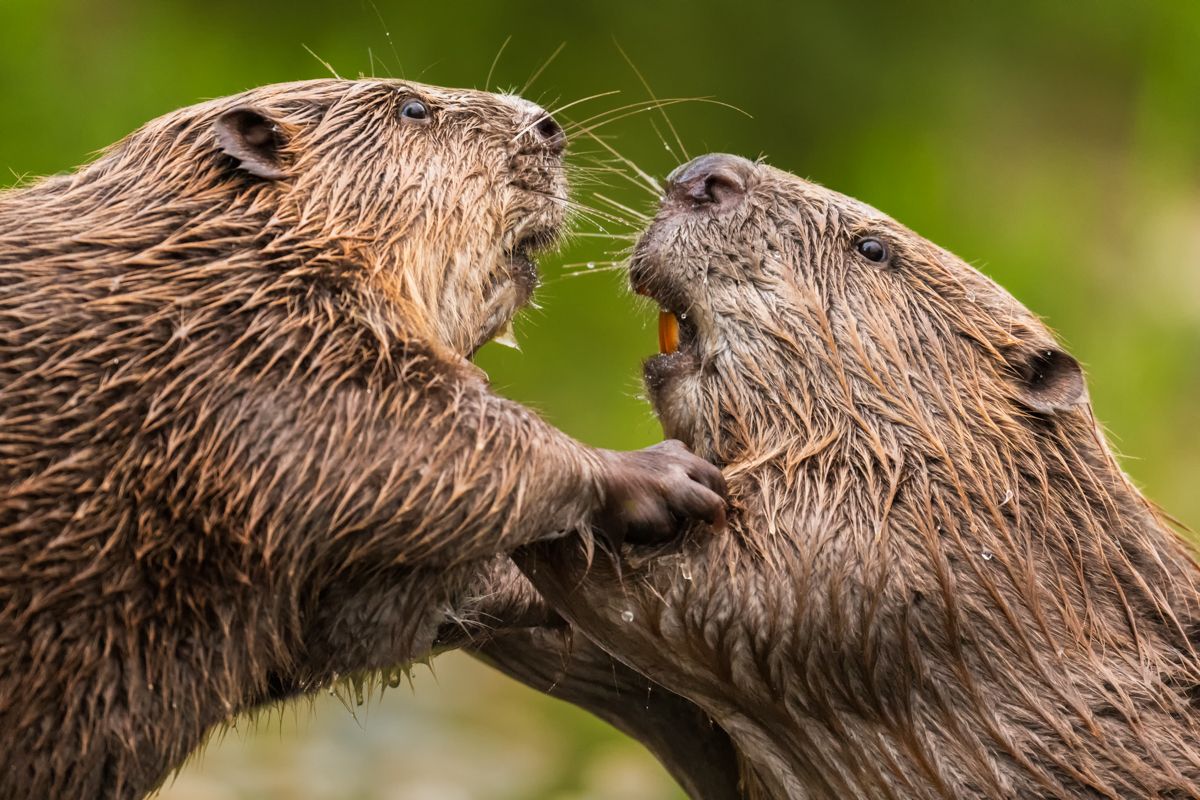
{"x":649,"y":494}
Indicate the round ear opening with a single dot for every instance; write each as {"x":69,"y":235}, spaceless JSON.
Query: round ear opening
{"x":1050,"y":381}
{"x":254,"y":139}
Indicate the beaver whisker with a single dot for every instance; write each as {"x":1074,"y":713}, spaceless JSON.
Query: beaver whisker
{"x":649,"y":105}
{"x":683,"y":150}
{"x":666,"y":145}
{"x":651,"y":184}
{"x":371,"y":60}
{"x":586,"y":267}
{"x":629,"y":177}
{"x":573,"y":103}
{"x":538,"y":73}
{"x":387,"y":34}
{"x":552,"y":112}
{"x":576,"y":206}
{"x":586,"y":179}
{"x":488,"y":80}
{"x":593,"y":171}
{"x":595,"y":215}
{"x":625,"y":237}
{"x":636,"y":105}
{"x":599,"y":168}
{"x":637,"y":215}
{"x":597,"y":121}
{"x":618,"y":267}
{"x":592,"y":216}
{"x":322,"y":61}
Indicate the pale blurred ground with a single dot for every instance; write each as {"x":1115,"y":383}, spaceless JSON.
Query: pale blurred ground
{"x":463,"y":733}
{"x":1054,"y":145}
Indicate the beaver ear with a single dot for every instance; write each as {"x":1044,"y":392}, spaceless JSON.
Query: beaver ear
{"x":253,"y":138}
{"x":1051,"y":380}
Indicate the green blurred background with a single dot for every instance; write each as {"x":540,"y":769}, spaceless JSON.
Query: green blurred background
{"x":1055,"y":145}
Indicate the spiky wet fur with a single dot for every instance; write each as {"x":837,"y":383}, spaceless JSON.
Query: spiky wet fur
{"x":241,"y":452}
{"x":929,"y":589}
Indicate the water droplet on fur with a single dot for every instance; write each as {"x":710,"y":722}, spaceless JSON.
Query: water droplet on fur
{"x":627,"y":616}
{"x":686,"y":571}
{"x":1007,"y":496}
{"x":683,"y":315}
{"x":970,"y":297}
{"x":986,"y":555}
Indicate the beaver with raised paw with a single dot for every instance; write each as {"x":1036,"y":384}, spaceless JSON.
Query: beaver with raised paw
{"x":937,"y":581}
{"x":242,"y":451}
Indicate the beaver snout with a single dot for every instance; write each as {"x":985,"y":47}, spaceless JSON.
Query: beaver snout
{"x":716,"y":180}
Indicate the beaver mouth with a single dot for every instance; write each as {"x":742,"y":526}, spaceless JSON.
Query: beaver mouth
{"x":522,"y":257}
{"x":512,"y":287}
{"x":678,"y":343}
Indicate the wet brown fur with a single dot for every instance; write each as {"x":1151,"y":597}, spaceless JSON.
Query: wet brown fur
{"x":241,"y":450}
{"x":938,"y":583}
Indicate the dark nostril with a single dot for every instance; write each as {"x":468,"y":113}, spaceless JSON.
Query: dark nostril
{"x":716,"y":180}
{"x":547,"y":128}
{"x":551,"y":132}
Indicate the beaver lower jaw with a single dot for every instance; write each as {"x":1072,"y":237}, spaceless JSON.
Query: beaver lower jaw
{"x":512,"y":289}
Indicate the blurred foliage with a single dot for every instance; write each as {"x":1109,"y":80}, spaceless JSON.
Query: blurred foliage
{"x":1055,"y":145}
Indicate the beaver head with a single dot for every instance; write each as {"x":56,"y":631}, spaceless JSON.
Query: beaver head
{"x":446,"y":194}
{"x":936,"y":582}
{"x":776,"y":291}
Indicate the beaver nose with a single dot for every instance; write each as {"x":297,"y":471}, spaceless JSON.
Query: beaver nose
{"x":550,"y":133}
{"x":717,"y":179}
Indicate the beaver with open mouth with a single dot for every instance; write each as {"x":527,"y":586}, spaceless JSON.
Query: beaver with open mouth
{"x":242,"y":452}
{"x":937,"y":581}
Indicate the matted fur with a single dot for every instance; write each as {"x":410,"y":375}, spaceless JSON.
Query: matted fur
{"x":938,"y":583}
{"x":241,"y":450}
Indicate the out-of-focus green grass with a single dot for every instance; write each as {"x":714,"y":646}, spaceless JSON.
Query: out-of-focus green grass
{"x":1057,"y":146}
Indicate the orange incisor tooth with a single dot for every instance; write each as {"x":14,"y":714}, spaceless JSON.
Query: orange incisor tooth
{"x":668,"y":332}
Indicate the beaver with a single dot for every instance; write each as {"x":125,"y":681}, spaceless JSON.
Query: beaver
{"x":937,"y":582}
{"x":242,"y":450}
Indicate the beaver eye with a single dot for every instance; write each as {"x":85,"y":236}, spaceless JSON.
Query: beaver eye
{"x":871,"y":249}
{"x":415,"y":110}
